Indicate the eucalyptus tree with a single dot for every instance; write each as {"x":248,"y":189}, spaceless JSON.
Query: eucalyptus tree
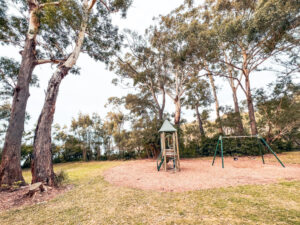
{"x":198,"y":96}
{"x":88,"y":28}
{"x":279,"y":108}
{"x":21,"y":30}
{"x":115,"y":127}
{"x":216,"y":99}
{"x":143,"y":66}
{"x":201,"y":45}
{"x":144,"y":123}
{"x":234,"y":82}
{"x":168,"y":38}
{"x":82,"y":128}
{"x":255,"y":31}
{"x":97,"y":137}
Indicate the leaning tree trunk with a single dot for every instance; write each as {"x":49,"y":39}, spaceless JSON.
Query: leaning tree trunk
{"x":212,"y":83}
{"x":200,"y":123}
{"x":10,"y":169}
{"x":42,"y":167}
{"x":240,"y":127}
{"x":250,"y":105}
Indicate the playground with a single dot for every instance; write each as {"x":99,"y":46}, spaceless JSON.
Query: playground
{"x":175,"y":175}
{"x":196,"y":174}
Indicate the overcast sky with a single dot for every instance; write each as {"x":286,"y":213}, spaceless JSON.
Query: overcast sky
{"x":88,"y":92}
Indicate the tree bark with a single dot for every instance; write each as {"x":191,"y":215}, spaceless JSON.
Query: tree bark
{"x":162,"y":108}
{"x":219,"y":121}
{"x":177,"y":111}
{"x":240,"y":127}
{"x":200,"y":123}
{"x":10,"y":169}
{"x":98,"y":153}
{"x":42,"y":167}
{"x":84,"y":153}
{"x":251,"y":111}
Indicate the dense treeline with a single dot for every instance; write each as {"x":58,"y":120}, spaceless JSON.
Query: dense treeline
{"x":180,"y":59}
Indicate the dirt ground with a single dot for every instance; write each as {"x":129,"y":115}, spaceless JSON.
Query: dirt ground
{"x":18,"y":198}
{"x":198,"y":174}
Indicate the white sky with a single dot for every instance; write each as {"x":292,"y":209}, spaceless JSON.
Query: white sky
{"x":89,"y":92}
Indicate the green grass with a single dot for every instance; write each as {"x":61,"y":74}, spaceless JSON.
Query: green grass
{"x":94,"y":201}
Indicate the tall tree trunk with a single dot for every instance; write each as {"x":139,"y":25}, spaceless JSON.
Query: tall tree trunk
{"x":162,"y":108}
{"x":200,"y":123}
{"x":240,"y":127}
{"x":42,"y":167}
{"x":10,"y":169}
{"x":212,"y":83}
{"x":251,"y":111}
{"x":148,"y":154}
{"x":98,"y":153}
{"x":84,"y":153}
{"x":177,"y":111}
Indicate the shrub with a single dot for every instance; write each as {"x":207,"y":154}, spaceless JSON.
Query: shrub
{"x":231,"y":147}
{"x":60,"y":178}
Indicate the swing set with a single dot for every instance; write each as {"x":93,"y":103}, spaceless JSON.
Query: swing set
{"x":260,"y":141}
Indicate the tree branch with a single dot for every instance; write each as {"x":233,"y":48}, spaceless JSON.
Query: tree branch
{"x":220,"y":75}
{"x":44,"y":61}
{"x":92,"y":4}
{"x":230,"y":64}
{"x":41,"y":6}
{"x":104,"y":3}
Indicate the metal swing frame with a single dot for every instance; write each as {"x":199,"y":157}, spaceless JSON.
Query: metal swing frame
{"x":260,"y":140}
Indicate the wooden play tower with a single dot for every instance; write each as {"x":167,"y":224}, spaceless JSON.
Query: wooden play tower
{"x":169,"y":147}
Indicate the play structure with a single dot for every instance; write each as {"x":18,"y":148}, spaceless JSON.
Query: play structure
{"x":169,"y":147}
{"x":260,"y":142}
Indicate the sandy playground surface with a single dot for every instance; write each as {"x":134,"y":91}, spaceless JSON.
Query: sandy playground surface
{"x":198,"y":174}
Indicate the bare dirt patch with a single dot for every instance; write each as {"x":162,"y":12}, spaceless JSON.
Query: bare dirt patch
{"x":198,"y":174}
{"x":19,"y":197}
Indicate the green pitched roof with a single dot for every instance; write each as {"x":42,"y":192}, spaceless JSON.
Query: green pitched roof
{"x":167,"y":127}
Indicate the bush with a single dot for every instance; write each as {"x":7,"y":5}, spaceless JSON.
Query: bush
{"x":231,"y":147}
{"x":60,"y":178}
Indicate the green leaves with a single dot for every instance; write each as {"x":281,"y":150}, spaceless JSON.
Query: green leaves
{"x":9,"y":70}
{"x":279,"y":109}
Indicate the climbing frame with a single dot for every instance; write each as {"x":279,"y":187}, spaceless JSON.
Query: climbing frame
{"x":169,"y":147}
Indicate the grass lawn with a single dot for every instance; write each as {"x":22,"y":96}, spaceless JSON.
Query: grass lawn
{"x":94,"y":201}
